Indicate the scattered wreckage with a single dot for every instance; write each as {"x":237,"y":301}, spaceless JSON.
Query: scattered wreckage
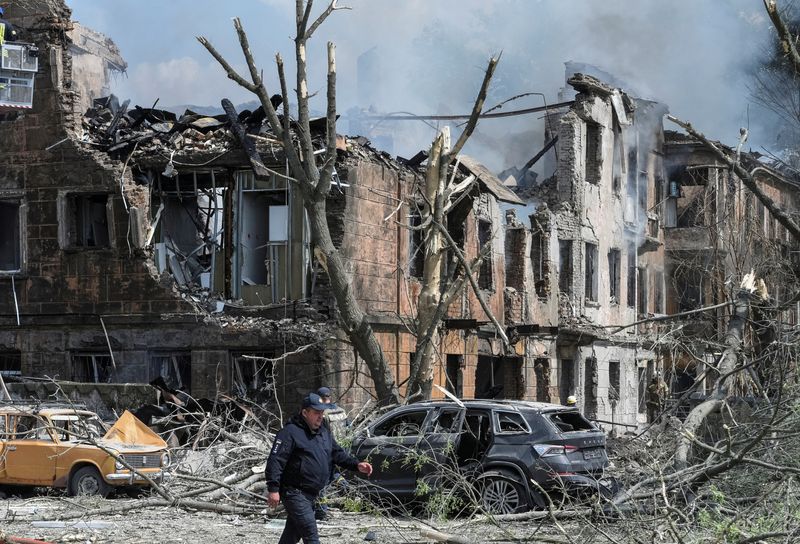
{"x":66,"y":447}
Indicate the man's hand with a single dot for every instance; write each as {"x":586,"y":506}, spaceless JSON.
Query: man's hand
{"x":365,"y":468}
{"x":274,"y":498}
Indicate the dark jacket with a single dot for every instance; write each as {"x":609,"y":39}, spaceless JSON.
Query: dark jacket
{"x":303,"y":458}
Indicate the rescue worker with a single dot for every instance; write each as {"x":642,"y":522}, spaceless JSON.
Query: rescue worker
{"x":571,"y":401}
{"x":299,"y":466}
{"x":7,"y":30}
{"x":657,"y":393}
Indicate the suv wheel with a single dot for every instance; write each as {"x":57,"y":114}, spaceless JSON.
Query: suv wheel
{"x":502,"y":494}
{"x":88,"y":481}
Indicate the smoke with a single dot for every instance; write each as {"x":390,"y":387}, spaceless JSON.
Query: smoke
{"x":429,"y":58}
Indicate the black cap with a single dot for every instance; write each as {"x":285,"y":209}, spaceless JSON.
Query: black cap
{"x":313,"y":401}
{"x":324,"y":391}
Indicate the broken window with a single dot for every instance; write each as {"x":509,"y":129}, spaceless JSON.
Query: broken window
{"x":511,"y":423}
{"x":571,"y":422}
{"x":616,"y":161}
{"x":631,"y":276}
{"x":590,"y":386}
{"x":613,"y":380}
{"x":455,"y":378}
{"x":539,"y":263}
{"x":515,"y":258}
{"x":405,"y":424}
{"x":541,"y":368}
{"x":485,"y":280}
{"x":630,"y":213}
{"x":689,"y":287}
{"x":416,"y":251}
{"x":91,"y":367}
{"x":697,"y":199}
{"x":658,"y":291}
{"x":593,"y":149}
{"x":175,"y":368}
{"x":29,"y":428}
{"x":590,"y":272}
{"x":10,"y":240}
{"x":614,"y":274}
{"x":641,"y":390}
{"x":565,"y":266}
{"x":644,"y":303}
{"x":10,"y":363}
{"x":253,"y":372}
{"x":498,"y":378}
{"x":87,"y":221}
{"x":566,"y":379}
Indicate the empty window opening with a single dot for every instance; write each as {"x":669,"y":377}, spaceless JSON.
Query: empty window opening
{"x":613,"y":380}
{"x":631,"y":212}
{"x":593,"y":157}
{"x":253,"y":375}
{"x":614,"y":274}
{"x":29,"y":428}
{"x":10,"y":241}
{"x":658,"y":292}
{"x":644,"y":303}
{"x":566,"y":380}
{"x":631,"y":276}
{"x":496,"y":378}
{"x":540,"y":264}
{"x":590,"y":387}
{"x":485,"y":280}
{"x":541,"y":368}
{"x":10,"y":363}
{"x":565,"y":266}
{"x":616,"y":161}
{"x":455,"y":375}
{"x":689,"y":284}
{"x":641,"y":389}
{"x":447,"y":421}
{"x":175,"y":368}
{"x":88,"y":221}
{"x":515,"y":258}
{"x":91,"y":368}
{"x":590,"y":272}
{"x":416,"y":249}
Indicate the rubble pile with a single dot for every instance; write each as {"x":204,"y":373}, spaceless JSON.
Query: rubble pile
{"x":115,"y":129}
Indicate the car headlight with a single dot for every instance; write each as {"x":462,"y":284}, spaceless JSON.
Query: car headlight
{"x":118,"y":465}
{"x":166,"y":459}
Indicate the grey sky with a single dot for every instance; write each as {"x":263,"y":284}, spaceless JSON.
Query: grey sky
{"x":691,"y":54}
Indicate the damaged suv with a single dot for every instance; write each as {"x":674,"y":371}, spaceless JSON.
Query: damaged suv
{"x":517,"y":453}
{"x":72,"y":449}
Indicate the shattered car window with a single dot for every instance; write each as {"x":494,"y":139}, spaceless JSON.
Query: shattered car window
{"x":511,"y":422}
{"x":31,"y":428}
{"x":568,"y":422}
{"x":405,"y":424}
{"x":447,"y":422}
{"x":78,"y":427}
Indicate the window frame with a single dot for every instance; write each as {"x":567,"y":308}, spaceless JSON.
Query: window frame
{"x":17,"y":200}
{"x":68,"y":227}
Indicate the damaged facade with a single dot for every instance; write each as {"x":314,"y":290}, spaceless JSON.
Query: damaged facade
{"x":144,"y":244}
{"x":136,"y":243}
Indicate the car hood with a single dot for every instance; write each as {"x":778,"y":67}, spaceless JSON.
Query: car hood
{"x":130,"y":433}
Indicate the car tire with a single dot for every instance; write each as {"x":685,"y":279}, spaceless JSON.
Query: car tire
{"x":502,"y":493}
{"x":88,"y":481}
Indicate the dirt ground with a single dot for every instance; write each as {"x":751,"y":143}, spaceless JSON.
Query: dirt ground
{"x":25,"y":517}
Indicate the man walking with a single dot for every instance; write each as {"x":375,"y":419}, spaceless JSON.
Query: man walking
{"x":299,"y":466}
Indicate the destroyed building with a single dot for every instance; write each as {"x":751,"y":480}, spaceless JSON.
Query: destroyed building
{"x":137,"y":244}
{"x":716,"y":230}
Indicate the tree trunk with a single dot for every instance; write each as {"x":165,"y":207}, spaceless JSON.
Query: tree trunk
{"x":353,"y":319}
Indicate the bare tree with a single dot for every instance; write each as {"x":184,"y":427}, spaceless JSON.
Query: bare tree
{"x":313,"y":178}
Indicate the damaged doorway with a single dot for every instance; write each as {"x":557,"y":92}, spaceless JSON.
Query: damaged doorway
{"x":271,"y":260}
{"x":499,"y":378}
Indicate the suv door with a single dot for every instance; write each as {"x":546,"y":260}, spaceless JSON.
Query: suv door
{"x":30,"y":452}
{"x":440,"y":443}
{"x":389,"y":445}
